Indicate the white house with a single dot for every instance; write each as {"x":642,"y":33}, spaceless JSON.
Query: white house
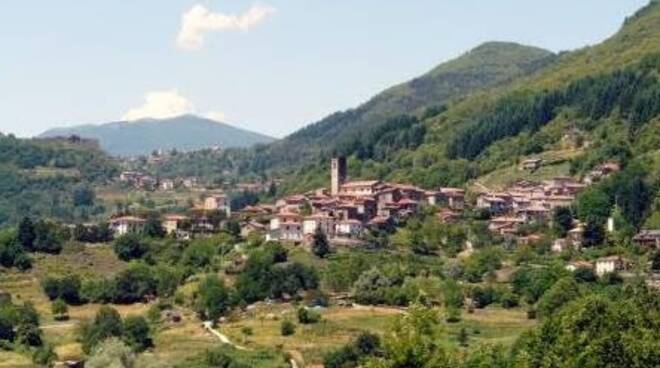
{"x":126,"y":224}
{"x":609,"y":264}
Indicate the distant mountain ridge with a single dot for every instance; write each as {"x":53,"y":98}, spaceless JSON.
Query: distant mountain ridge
{"x":184,"y":133}
{"x":487,"y":66}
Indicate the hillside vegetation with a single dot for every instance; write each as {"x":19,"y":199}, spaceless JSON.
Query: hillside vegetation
{"x":486,"y":66}
{"x":50,"y":178}
{"x":601,"y":101}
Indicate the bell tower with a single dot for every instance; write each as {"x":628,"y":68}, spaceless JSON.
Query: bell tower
{"x":337,"y":174}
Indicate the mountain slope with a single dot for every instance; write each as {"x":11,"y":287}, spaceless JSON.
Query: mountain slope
{"x":594,"y":104}
{"x":486,"y":66}
{"x":185,"y":133}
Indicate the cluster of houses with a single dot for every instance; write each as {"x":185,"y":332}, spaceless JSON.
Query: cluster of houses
{"x":140,"y":180}
{"x":203,"y":218}
{"x":349,"y":207}
{"x":526,"y":202}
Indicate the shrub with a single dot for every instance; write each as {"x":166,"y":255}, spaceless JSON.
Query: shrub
{"x":66,"y":288}
{"x":136,"y":333}
{"x":308,"y":316}
{"x":287,"y":328}
{"x":59,"y":310}
{"x":130,"y":246}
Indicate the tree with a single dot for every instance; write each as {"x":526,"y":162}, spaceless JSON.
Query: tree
{"x":412,"y":341}
{"x":593,"y":234}
{"x":233,"y":227}
{"x":47,"y":238}
{"x":596,"y":331}
{"x":562,"y":220}
{"x":26,"y":233}
{"x":351,"y":354}
{"x":83,"y":196}
{"x":137,"y":333}
{"x":153,"y":226}
{"x":129,"y":246}
{"x":113,"y":353}
{"x":585,"y":275}
{"x":562,"y":292}
{"x":134,"y":284}
{"x":107,"y":323}
{"x":66,"y":288}
{"x":593,"y":206}
{"x":59,"y":309}
{"x":212,"y":298}
{"x":320,"y":244}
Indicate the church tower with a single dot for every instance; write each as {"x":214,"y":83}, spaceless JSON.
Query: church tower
{"x":337,"y":174}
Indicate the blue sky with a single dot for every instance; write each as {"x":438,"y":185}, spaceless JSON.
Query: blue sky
{"x":269,"y":66}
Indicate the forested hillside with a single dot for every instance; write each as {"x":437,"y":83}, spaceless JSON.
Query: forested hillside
{"x":488,"y":65}
{"x":50,"y":178}
{"x":591,"y":105}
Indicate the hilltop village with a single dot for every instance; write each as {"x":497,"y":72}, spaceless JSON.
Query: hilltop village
{"x":348,"y":210}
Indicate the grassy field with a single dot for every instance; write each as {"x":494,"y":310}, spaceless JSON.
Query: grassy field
{"x":341,"y":324}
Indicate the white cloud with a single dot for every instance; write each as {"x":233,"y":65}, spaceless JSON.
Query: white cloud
{"x":160,"y":105}
{"x":199,"y":20}
{"x":218,"y":116}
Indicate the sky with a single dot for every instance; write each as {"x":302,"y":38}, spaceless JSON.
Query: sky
{"x":270,"y":66}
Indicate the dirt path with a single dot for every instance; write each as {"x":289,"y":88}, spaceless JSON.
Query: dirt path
{"x":222,"y":337}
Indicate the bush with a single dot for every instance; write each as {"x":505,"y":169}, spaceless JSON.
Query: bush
{"x":212,"y":298}
{"x":287,"y":328}
{"x":59,"y":310}
{"x":308,"y":316}
{"x":44,"y":355}
{"x":585,"y":275}
{"x":111,"y":352}
{"x":106,"y":324}
{"x":351,"y":354}
{"x":130,"y":246}
{"x":66,"y":288}
{"x":136,"y":333}
{"x":483,"y":296}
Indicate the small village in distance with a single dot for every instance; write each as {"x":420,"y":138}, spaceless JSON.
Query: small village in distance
{"x":347,"y":210}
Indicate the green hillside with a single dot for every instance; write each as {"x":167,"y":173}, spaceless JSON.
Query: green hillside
{"x":50,"y":178}
{"x":486,"y":66}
